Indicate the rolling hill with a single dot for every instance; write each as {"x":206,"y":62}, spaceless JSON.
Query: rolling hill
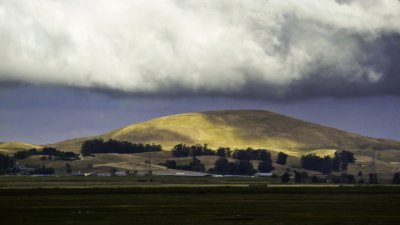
{"x":12,"y":147}
{"x":241,"y":129}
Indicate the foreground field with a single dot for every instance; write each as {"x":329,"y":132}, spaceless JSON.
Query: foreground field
{"x":222,"y":205}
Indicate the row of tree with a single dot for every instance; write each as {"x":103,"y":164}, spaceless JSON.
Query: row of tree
{"x":239,"y":167}
{"x":244,"y":167}
{"x":303,"y":177}
{"x":194,"y":165}
{"x":44,"y":170}
{"x":223,"y":166}
{"x":90,"y":147}
{"x":182,"y":150}
{"x":328,"y":164}
{"x":47,"y":151}
{"x":252,"y":154}
{"x":6,"y":164}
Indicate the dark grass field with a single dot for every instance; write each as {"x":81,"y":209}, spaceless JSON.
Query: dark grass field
{"x":205,"y":206}
{"x":17,"y":182}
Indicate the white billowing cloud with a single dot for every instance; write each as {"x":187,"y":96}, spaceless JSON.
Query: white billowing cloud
{"x":207,"y":46}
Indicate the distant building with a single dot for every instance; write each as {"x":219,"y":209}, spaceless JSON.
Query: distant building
{"x":216,"y":175}
{"x":263,"y":174}
{"x":90,"y":174}
{"x":104,"y":174}
{"x":120,"y":174}
{"x":77,"y":174}
{"x":231,"y":175}
{"x":182,"y":174}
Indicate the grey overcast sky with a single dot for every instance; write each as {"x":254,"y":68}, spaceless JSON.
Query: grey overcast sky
{"x":77,"y":68}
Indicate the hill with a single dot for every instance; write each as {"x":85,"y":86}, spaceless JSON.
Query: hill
{"x":12,"y":147}
{"x":241,"y":129}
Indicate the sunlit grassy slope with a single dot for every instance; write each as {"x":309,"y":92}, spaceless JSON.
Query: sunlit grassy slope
{"x":12,"y":147}
{"x":240,"y":129}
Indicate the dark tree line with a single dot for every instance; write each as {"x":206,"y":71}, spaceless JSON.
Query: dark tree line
{"x":327,"y":164}
{"x":343,"y":178}
{"x":182,"y":150}
{"x":282,"y":158}
{"x":373,"y":178}
{"x":44,"y":170}
{"x":265,"y":166}
{"x":252,"y":154}
{"x":396,"y":178}
{"x":90,"y":147}
{"x":194,"y":165}
{"x":224,"y":152}
{"x":242,"y":165}
{"x":46,"y":151}
{"x":6,"y":164}
{"x":238,"y":167}
{"x":300,"y":177}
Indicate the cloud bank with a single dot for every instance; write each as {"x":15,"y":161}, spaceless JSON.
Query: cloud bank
{"x":264,"y":49}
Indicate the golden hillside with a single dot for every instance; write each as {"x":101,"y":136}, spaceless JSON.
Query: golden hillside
{"x":240,"y":129}
{"x":12,"y":147}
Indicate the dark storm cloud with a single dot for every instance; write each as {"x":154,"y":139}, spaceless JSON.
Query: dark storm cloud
{"x":250,"y":49}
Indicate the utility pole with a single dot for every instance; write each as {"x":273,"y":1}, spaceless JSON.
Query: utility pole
{"x":373,"y":161}
{"x":148,"y":170}
{"x":373,"y":177}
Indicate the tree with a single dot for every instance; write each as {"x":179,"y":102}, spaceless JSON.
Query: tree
{"x":336,"y":163}
{"x":231,"y":168}
{"x":314,"y":162}
{"x":220,"y":165}
{"x":373,"y":178}
{"x":245,"y":167}
{"x":297,"y":177}
{"x":315,"y":179}
{"x":265,"y":167}
{"x":347,"y":157}
{"x":68,"y":168}
{"x":396,"y":178}
{"x":196,"y":165}
{"x":264,"y":155}
{"x":285,"y":177}
{"x":304,"y":176}
{"x":90,"y":147}
{"x":222,"y":152}
{"x":171,"y":164}
{"x":48,"y":153}
{"x":251,"y":154}
{"x":44,"y":170}
{"x":282,"y":157}
{"x":6,"y":163}
{"x":346,"y":178}
{"x":343,"y":167}
{"x":300,"y":177}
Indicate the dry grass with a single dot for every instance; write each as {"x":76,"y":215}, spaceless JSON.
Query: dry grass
{"x":236,"y":129}
{"x":241,"y":129}
{"x":323,"y":152}
{"x":12,"y":147}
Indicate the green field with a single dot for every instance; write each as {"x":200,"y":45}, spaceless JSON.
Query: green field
{"x":207,"y":205}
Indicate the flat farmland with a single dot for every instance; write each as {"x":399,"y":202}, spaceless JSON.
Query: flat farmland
{"x":202,"y":205}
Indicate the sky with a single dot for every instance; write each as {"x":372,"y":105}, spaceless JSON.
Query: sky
{"x":78,"y":68}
